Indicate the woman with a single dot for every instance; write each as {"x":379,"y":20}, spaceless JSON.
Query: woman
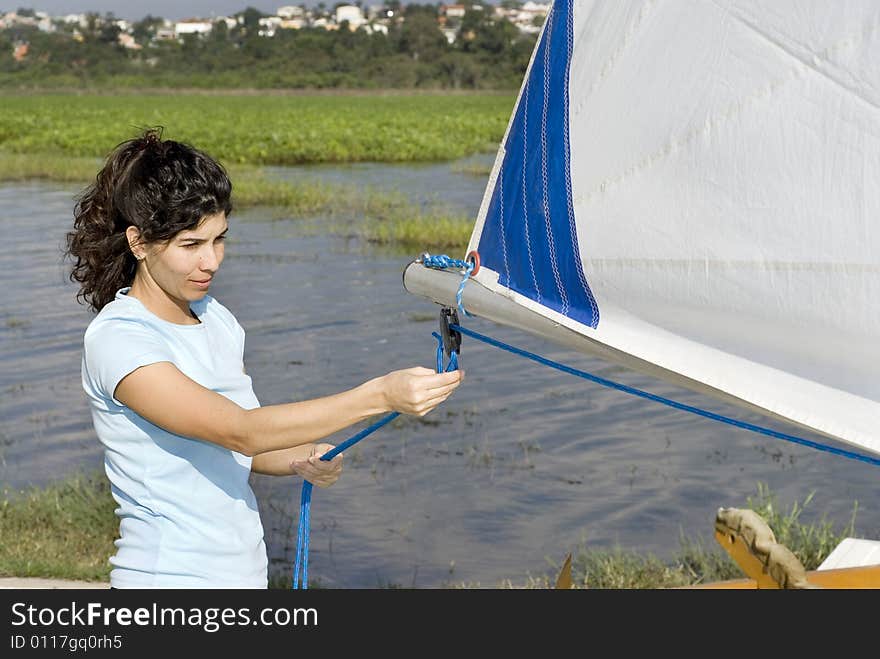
{"x":164,"y":374}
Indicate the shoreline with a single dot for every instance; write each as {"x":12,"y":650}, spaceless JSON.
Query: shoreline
{"x":16,"y":583}
{"x":248,"y":91}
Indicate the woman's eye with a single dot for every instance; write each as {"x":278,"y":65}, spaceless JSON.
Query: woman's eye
{"x":221,"y":238}
{"x":191,"y":245}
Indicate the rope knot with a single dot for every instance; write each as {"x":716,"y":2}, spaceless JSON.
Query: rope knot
{"x":444,"y":262}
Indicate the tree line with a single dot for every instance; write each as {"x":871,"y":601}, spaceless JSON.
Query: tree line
{"x":488,"y":53}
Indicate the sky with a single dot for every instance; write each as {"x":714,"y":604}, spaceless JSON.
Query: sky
{"x":171,"y":9}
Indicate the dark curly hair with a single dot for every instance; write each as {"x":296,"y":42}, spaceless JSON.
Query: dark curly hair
{"x":162,"y":187}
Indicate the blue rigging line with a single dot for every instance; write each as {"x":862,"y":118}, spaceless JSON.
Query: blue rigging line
{"x":665,"y":401}
{"x":301,"y":564}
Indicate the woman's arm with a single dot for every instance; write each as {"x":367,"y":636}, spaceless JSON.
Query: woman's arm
{"x":304,"y":460}
{"x":163,"y":395}
{"x":280,"y":463}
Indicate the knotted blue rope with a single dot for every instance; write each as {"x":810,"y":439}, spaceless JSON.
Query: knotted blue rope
{"x":301,"y":563}
{"x":443,"y":262}
{"x":665,"y":401}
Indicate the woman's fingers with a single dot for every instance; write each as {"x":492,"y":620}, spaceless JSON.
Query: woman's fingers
{"x":439,"y":391}
{"x":415,"y":390}
{"x":449,"y":378}
{"x":321,"y":473}
{"x":431,"y":379}
{"x":431,"y":403}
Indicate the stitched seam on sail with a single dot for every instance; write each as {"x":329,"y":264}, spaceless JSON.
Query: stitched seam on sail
{"x":594,"y":318}
{"x":551,"y":247}
{"x":525,"y":196}
{"x":503,"y":235}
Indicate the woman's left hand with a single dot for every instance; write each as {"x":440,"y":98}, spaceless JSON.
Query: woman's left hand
{"x":321,"y":473}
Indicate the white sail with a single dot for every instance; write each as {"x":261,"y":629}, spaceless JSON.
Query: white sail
{"x":693,"y":189}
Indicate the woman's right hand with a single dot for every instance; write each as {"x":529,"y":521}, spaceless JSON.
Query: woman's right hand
{"x":418,"y":390}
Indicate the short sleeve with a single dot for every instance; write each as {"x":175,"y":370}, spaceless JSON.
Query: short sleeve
{"x":116,"y":348}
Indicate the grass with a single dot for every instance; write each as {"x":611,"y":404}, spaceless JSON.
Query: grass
{"x":385,"y":218}
{"x":695,"y":564}
{"x":263,"y":129}
{"x":16,"y":167}
{"x":473,"y":169}
{"x":63,"y":138}
{"x":63,"y":531}
{"x":413,"y":228}
{"x":67,"y":530}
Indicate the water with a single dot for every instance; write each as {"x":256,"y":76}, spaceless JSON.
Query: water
{"x":521,"y":466}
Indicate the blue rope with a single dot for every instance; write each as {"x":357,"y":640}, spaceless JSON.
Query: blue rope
{"x":443,"y":262}
{"x":301,"y":563}
{"x":665,"y":401}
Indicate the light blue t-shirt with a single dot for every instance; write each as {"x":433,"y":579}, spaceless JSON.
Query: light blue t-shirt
{"x":188,"y":516}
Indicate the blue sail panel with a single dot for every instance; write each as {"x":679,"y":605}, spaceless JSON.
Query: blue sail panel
{"x":529,"y":234}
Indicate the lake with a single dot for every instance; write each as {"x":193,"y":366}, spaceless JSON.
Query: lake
{"x":521,"y":466}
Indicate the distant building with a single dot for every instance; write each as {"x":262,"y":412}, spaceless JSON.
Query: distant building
{"x":165,"y":34}
{"x":530,"y":16}
{"x":289,"y":12}
{"x":536,"y":7}
{"x":127,"y":41}
{"x":44,"y":22}
{"x":76,"y":19}
{"x":192,"y":26}
{"x":531,"y":10}
{"x":376,"y":28}
{"x":453,"y":11}
{"x":350,"y":13}
{"x":269,"y":25}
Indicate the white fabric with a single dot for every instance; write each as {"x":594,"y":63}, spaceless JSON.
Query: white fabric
{"x":725,"y":168}
{"x":853,"y":552}
{"x":188,"y":516}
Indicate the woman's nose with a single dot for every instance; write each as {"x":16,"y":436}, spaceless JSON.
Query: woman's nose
{"x":209,"y":259}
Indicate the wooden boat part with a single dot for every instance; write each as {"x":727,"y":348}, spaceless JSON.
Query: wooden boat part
{"x":770,"y":565}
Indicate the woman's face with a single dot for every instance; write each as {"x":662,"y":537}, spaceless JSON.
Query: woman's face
{"x":184,"y":267}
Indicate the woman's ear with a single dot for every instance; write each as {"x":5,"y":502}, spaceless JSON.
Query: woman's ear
{"x":134,"y":236}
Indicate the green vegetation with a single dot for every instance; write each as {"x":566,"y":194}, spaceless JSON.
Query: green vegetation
{"x":379,"y":217}
{"x":432,"y":231}
{"x":64,"y":138}
{"x":262,"y":130}
{"x":67,"y":531}
{"x":28,"y":167}
{"x":481,"y":171}
{"x":63,"y":531}
{"x":694,"y":564}
{"x":488,"y":54}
